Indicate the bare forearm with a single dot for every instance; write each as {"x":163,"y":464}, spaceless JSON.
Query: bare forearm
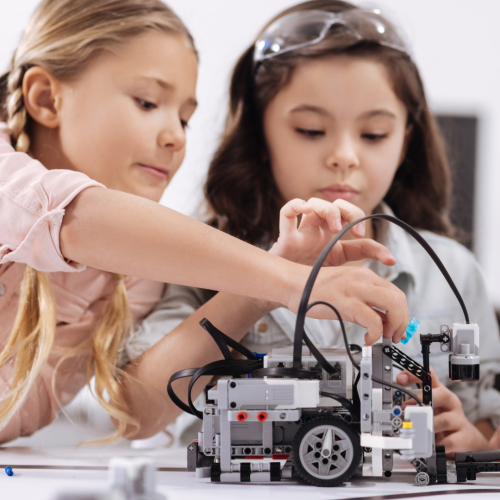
{"x":121,"y":233}
{"x":187,"y":346}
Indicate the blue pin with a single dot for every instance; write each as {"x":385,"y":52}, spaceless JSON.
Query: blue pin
{"x":411,"y":329}
{"x":9,"y":471}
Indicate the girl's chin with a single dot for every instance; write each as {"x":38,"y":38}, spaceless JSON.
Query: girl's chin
{"x":153,"y":193}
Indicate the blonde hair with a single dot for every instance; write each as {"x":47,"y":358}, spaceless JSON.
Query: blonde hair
{"x":63,"y":36}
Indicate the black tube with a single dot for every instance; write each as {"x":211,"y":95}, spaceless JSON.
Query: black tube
{"x":304,"y":302}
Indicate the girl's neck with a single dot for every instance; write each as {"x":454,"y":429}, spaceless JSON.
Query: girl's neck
{"x":45,"y":147}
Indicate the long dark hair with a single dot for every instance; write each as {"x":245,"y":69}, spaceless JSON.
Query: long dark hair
{"x":240,"y":189}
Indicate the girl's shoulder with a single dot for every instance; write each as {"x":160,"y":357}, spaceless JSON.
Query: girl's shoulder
{"x":447,"y":248}
{"x":459,"y":261}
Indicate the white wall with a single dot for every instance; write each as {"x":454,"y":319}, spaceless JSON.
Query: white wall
{"x":454,"y":44}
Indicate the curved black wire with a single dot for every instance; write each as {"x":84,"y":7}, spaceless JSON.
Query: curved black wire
{"x":229,"y":366}
{"x":342,"y":327}
{"x":399,"y":388}
{"x":344,"y":335}
{"x":355,"y":392}
{"x":350,"y":407}
{"x":304,"y":302}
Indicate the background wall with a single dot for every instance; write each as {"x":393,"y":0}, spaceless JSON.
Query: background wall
{"x":455,"y":44}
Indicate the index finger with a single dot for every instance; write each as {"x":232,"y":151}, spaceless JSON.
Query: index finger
{"x":351,"y":213}
{"x":289,"y":213}
{"x":391,"y":301}
{"x":348,"y":213}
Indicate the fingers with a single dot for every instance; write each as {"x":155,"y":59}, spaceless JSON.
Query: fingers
{"x":494,"y":443}
{"x":324,"y":212}
{"x":372,"y":291}
{"x":369,"y":319}
{"x":355,"y":292}
{"x":467,"y":438}
{"x":335,"y":214}
{"x":351,"y":213}
{"x":453,"y":443}
{"x":392,"y":301}
{"x":406,"y":378}
{"x":289,"y":214}
{"x":446,"y":402}
{"x":449,"y":421}
{"x":364,"y":249}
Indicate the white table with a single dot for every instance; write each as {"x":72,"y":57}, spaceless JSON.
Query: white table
{"x":39,"y":474}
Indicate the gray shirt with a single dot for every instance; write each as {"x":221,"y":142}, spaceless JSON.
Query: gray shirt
{"x":429,"y":297}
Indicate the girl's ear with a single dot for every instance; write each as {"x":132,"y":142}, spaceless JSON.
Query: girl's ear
{"x":42,"y":96}
{"x":404,"y":149}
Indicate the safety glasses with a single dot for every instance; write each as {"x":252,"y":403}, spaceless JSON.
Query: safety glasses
{"x":308,"y":27}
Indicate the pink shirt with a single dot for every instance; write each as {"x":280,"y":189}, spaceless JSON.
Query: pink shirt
{"x":32,"y":203}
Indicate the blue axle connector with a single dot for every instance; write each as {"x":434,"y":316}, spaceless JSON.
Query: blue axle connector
{"x":411,"y":329}
{"x":9,"y":471}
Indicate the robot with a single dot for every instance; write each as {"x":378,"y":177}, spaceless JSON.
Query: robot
{"x":321,"y":414}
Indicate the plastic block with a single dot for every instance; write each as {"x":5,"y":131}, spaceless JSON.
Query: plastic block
{"x":411,"y":330}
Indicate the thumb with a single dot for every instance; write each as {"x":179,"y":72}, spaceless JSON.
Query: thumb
{"x":406,"y":378}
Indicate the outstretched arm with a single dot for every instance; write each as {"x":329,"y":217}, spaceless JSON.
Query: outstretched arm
{"x":122,"y":233}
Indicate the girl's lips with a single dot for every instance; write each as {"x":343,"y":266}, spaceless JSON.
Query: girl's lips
{"x":339,"y":192}
{"x":158,"y":172}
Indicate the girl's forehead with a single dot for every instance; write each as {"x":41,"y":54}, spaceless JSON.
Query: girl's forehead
{"x":153,"y":48}
{"x":353,"y":84}
{"x":150,"y":59}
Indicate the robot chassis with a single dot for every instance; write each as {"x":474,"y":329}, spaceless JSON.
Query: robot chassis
{"x":303,"y":413}
{"x":259,"y":430}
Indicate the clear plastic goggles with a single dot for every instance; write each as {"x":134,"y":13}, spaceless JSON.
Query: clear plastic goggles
{"x":308,"y":27}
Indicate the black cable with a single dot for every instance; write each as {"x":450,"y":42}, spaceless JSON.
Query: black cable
{"x":342,"y":327}
{"x":237,"y":367}
{"x":344,"y":402}
{"x":399,"y":388}
{"x":233,"y":367}
{"x":222,"y":340}
{"x":355,"y":348}
{"x":355,"y":392}
{"x":344,"y":334}
{"x":304,"y":302}
{"x":279,"y":371}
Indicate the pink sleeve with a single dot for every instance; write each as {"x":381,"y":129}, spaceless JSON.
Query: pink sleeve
{"x":32,"y":203}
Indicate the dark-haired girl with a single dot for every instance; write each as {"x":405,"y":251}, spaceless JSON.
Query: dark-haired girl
{"x":329,"y":105}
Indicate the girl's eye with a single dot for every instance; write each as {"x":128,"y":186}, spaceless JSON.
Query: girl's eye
{"x":184,"y":124}
{"x":374,"y":137}
{"x":310,"y":133}
{"x":146,"y":105}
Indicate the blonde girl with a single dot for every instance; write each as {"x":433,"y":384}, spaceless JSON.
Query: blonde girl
{"x":328,"y":104}
{"x":95,"y":106}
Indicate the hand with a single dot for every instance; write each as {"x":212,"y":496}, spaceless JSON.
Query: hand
{"x":494,"y":443}
{"x":321,"y":221}
{"x":355,"y":291}
{"x":451,"y":426}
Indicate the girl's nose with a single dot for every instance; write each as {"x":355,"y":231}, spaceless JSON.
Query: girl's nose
{"x":343,"y":154}
{"x":172,"y":135}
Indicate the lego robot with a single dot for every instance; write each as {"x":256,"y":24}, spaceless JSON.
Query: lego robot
{"x":323,"y":413}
